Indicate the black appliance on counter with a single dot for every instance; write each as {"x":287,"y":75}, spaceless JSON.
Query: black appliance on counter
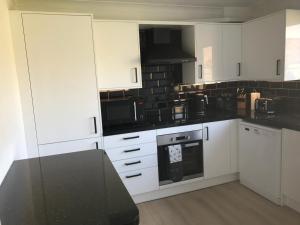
{"x":265,"y":105}
{"x":121,"y":111}
{"x":198,"y":104}
{"x":180,"y":110}
{"x":190,"y":147}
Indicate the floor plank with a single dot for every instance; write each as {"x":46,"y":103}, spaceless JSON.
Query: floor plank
{"x":228,"y":204}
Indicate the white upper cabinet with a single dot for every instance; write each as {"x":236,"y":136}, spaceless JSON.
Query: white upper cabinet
{"x":218,"y":52}
{"x":263,"y":48}
{"x":208,"y":52}
{"x":117,"y":49}
{"x":271,"y":47}
{"x":61,"y":66}
{"x":232,"y":51}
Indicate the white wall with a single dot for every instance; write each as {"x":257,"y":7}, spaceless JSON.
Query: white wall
{"x":12,"y":143}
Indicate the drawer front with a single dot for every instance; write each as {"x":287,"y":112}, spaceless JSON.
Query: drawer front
{"x":133,"y":151}
{"x":129,"y":139}
{"x":135,"y":163}
{"x":141,"y":181}
{"x":69,"y":147}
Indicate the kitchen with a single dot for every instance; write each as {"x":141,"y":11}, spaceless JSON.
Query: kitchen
{"x":154,"y":114}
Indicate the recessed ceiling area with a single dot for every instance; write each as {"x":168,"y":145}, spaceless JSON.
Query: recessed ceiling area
{"x":166,"y":10}
{"x":212,"y":3}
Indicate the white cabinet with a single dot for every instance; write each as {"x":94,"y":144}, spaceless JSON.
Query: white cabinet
{"x":217,"y":149}
{"x":271,"y":47}
{"x":62,"y":73}
{"x":231,"y":51}
{"x":218,"y":52}
{"x":69,"y":147}
{"x":134,"y":156}
{"x":208,"y":52}
{"x":117,"y":50}
{"x":260,"y":160}
{"x":291,"y":168}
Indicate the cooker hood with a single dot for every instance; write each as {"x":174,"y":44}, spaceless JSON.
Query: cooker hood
{"x":163,"y":46}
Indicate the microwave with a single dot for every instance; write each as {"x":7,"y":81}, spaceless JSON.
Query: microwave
{"x":121,"y":111}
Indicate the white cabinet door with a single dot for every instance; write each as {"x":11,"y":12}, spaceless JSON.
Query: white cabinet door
{"x":291,"y":168}
{"x":117,"y":49}
{"x":232,"y":51}
{"x":216,"y":149}
{"x":70,"y":146}
{"x":62,"y":74}
{"x":209,"y":52}
{"x":260,"y":160}
{"x":264,"y":48}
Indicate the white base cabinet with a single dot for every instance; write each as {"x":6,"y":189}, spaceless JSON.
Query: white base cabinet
{"x":291,"y":168}
{"x":220,"y":148}
{"x":134,"y":156}
{"x":260,"y":160}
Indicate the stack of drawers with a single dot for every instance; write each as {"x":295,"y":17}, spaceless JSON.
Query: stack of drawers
{"x":134,"y":156}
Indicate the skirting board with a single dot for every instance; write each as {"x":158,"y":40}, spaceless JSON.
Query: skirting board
{"x":291,"y":203}
{"x":184,"y":187}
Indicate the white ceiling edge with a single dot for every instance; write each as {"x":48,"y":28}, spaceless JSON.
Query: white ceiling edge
{"x":126,"y":11}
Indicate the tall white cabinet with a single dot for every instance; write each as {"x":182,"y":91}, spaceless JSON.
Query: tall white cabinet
{"x":62,"y":80}
{"x":218,"y":52}
{"x":117,"y":49}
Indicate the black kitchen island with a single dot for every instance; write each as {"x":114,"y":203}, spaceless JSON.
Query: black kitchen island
{"x":80,"y":188}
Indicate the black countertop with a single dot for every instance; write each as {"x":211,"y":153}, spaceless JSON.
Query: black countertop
{"x":79,"y":188}
{"x":210,"y":116}
{"x":288,"y":120}
{"x":279,"y":121}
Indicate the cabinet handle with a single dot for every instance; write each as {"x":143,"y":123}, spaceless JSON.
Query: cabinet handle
{"x":207,"y":133}
{"x":239,"y":69}
{"x":95,"y":124}
{"x":132,"y":150}
{"x":132,"y":163}
{"x":97,"y":145}
{"x":200,"y":71}
{"x":135,"y":175}
{"x":129,"y":138}
{"x":135,"y":79}
{"x":278,"y":67}
{"x":247,"y":129}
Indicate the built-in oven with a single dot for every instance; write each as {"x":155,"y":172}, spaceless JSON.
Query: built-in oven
{"x":180,"y":156}
{"x":120,"y":111}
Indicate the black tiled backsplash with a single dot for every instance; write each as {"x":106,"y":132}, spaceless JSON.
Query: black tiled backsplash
{"x":160,"y":82}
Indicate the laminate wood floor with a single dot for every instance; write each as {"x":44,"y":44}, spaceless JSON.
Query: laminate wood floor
{"x":227,"y":204}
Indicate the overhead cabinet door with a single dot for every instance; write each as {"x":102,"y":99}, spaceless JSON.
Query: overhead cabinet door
{"x":62,"y":74}
{"x":264,"y":48}
{"x":117,"y":49}
{"x":231,"y":51}
{"x":208,"y":52}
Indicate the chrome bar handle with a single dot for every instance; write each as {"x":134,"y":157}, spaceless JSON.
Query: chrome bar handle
{"x":278,"y":67}
{"x":200,"y":71}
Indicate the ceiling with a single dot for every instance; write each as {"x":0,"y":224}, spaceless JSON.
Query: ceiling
{"x":208,"y":3}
